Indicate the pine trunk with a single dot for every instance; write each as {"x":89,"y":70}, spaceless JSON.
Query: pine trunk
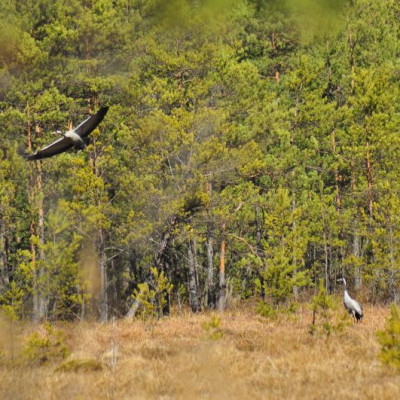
{"x":210,"y":283}
{"x":369,"y":179}
{"x":222,"y":278}
{"x":259,"y":249}
{"x":210,"y":288}
{"x":326,"y":257}
{"x":393,"y":285}
{"x":101,"y":245}
{"x":32,"y":231}
{"x":4,"y":278}
{"x":356,"y":254}
{"x":103,"y":277}
{"x":338,"y":197}
{"x":193,"y":282}
{"x":295,"y":288}
{"x":43,"y":299}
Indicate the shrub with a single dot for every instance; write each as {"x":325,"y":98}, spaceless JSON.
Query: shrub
{"x":389,"y":339}
{"x":267,"y":310}
{"x":325,"y":318}
{"x":45,"y":346}
{"x":212,"y":328}
{"x":152,"y":296}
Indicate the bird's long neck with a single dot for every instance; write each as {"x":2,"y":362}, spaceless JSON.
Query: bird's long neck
{"x":345,"y":293}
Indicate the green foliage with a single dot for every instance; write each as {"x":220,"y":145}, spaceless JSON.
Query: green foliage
{"x":326,"y":321}
{"x":217,"y":109}
{"x":152,"y":296}
{"x":266,"y":310}
{"x":271,"y":311}
{"x":11,"y":302}
{"x":59,"y":280}
{"x":46,"y":345}
{"x":285,"y":246}
{"x":389,"y":339}
{"x":212,"y":328}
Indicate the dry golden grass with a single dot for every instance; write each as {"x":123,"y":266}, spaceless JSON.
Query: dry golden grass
{"x":175,"y":359}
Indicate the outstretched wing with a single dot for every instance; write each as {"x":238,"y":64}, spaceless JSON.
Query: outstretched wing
{"x":52,"y":149}
{"x":89,"y":124}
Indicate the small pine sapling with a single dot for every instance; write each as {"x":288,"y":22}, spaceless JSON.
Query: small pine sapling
{"x":152,"y":295}
{"x":212,"y":328}
{"x":45,"y":346}
{"x":325,"y":320}
{"x":389,"y":339}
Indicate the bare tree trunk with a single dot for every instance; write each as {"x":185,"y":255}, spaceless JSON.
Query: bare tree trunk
{"x":103,"y":277}
{"x":210,"y":285}
{"x":369,"y":179}
{"x":352,"y":45}
{"x":356,"y":254}
{"x":295,"y":288}
{"x":326,"y":253}
{"x":161,"y":259}
{"x":259,"y":249}
{"x":222,"y":278}
{"x":32,"y":230}
{"x":210,"y":288}
{"x":4,"y":277}
{"x":43,"y":298}
{"x":101,"y":245}
{"x":193,"y":282}
{"x":338,"y":197}
{"x":392,"y":268}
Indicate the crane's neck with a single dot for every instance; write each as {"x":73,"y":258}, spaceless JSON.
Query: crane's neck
{"x":346,"y":295}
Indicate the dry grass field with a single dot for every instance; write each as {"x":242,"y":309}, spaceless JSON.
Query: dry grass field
{"x":177,"y":359}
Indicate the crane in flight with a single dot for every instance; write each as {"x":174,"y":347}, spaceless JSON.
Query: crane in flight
{"x":72,"y":138}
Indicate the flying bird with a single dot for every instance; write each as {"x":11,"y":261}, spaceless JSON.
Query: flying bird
{"x":72,"y":138}
{"x":352,"y":306}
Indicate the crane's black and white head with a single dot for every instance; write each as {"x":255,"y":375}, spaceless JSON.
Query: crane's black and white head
{"x":341,"y":280}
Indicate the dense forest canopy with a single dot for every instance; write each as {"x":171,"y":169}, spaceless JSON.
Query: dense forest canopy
{"x":251,"y":149}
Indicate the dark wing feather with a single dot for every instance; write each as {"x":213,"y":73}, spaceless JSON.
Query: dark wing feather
{"x":89,"y":124}
{"x":52,"y":149}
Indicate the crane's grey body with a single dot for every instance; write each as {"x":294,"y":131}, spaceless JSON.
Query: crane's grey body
{"x":71,"y":138}
{"x":76,"y":139}
{"x":352,"y":306}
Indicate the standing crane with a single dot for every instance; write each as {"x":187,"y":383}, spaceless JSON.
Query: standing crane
{"x":352,"y":306}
